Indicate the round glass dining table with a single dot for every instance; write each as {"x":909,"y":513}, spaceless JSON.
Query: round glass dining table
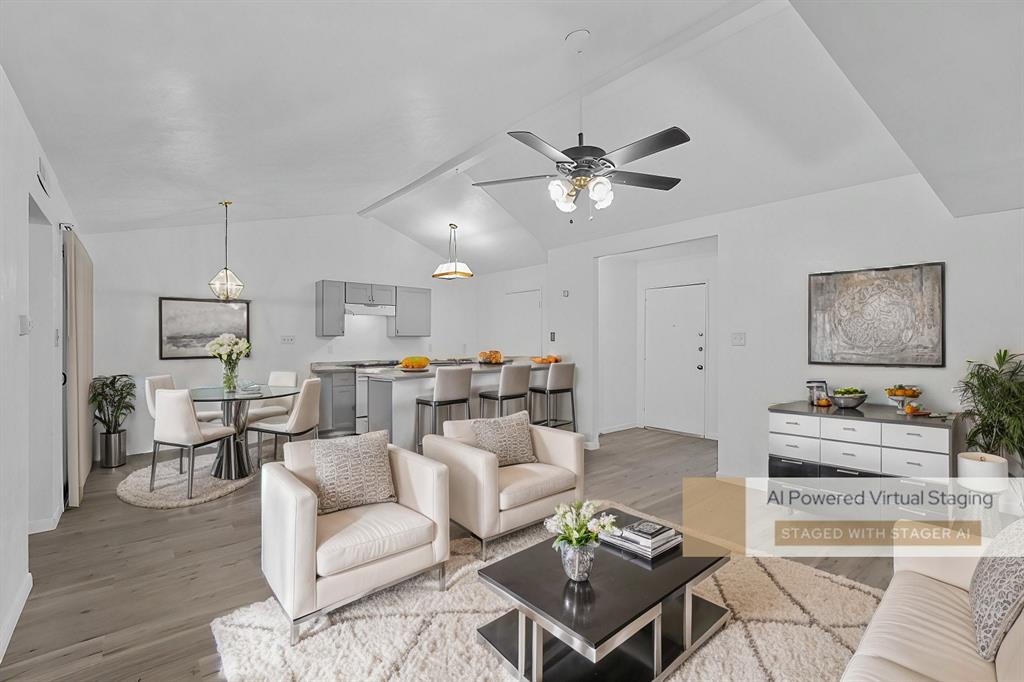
{"x":232,"y":455}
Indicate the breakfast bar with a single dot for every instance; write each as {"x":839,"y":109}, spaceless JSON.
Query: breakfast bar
{"x":392,"y":393}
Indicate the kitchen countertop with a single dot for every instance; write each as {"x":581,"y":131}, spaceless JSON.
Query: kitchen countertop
{"x":867,"y":411}
{"x":389,"y":374}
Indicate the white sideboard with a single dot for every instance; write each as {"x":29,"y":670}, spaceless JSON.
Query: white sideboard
{"x":872,"y":440}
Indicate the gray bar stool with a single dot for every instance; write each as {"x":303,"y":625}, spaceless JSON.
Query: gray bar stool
{"x":561,"y":377}
{"x":451,"y":387}
{"x":513,"y":384}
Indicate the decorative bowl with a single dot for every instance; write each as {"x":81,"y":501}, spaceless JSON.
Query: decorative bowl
{"x":850,"y":401}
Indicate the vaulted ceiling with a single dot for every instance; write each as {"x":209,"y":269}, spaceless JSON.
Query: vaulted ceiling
{"x":152,"y":112}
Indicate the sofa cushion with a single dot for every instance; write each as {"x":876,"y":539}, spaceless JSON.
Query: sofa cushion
{"x":353,"y":471}
{"x":507,"y":437}
{"x":519,"y":484}
{"x":997,"y":589}
{"x":352,"y":537}
{"x":923,"y":625}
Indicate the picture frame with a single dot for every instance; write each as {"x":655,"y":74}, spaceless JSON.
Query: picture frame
{"x":882,"y":317}
{"x":186,"y":325}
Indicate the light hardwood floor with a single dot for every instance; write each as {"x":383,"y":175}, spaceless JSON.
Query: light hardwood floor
{"x":124,"y":593}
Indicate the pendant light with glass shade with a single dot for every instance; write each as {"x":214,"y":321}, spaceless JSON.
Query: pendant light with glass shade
{"x":453,"y":268}
{"x":225,"y":285}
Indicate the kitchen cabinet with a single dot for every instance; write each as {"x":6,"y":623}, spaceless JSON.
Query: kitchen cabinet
{"x":337,"y":402}
{"x":369,"y":294}
{"x":330,"y":308}
{"x":356,"y":292}
{"x":412,"y":312}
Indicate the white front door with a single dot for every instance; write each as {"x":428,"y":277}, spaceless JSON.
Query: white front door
{"x":675,"y":356}
{"x":522,"y":323}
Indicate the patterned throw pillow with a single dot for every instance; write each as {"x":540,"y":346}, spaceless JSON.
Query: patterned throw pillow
{"x":997,"y":589}
{"x":353,"y":471}
{"x":507,"y":437}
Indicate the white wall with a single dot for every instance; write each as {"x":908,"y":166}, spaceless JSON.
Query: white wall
{"x":764,"y":256}
{"x":278,"y":261}
{"x":617,"y":343}
{"x":490,"y":292}
{"x":19,"y":160}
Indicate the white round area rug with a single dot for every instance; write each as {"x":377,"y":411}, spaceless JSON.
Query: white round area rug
{"x":171,"y":488}
{"x":790,"y":622}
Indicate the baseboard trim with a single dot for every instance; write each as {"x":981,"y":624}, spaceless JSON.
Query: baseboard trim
{"x":44,"y":525}
{"x":10,"y":619}
{"x":619,"y":427}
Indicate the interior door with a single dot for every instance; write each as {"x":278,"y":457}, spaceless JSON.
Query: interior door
{"x":522,"y":323}
{"x":675,"y":355}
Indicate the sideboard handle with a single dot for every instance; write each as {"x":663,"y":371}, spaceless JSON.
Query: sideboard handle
{"x":849,"y":454}
{"x":849,"y":428}
{"x":911,"y":433}
{"x":916,"y":464}
{"x":790,"y":445}
{"x":847,"y":471}
{"x":793,"y":423}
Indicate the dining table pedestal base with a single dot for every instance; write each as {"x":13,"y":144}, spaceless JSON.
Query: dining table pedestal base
{"x":233,"y":453}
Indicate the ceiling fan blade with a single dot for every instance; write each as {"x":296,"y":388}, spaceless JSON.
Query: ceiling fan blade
{"x":488,"y":183}
{"x":666,"y":139}
{"x":537,"y":144}
{"x":662,"y":182}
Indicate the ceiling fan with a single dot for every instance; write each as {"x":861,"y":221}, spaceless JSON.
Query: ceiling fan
{"x":585,"y":166}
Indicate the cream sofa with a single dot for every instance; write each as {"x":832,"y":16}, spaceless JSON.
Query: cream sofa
{"x":490,"y":501}
{"x":923,"y":632}
{"x":315,"y":564}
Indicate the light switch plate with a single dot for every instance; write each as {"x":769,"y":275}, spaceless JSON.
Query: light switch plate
{"x":739,"y":338}
{"x":288,"y":339}
{"x":24,"y":325}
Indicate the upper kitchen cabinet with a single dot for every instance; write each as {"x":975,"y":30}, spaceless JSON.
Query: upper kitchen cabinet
{"x":382,"y":294}
{"x":369,"y":294}
{"x":412,"y":312}
{"x":330,"y":308}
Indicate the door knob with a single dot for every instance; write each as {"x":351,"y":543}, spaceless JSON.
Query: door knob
{"x":700,"y":366}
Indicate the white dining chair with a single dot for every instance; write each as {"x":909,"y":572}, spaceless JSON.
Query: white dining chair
{"x":177,"y":426}
{"x":303,"y":418}
{"x":275,"y":407}
{"x":166,"y":381}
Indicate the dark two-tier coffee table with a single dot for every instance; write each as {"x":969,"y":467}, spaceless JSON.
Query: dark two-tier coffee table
{"x":633,"y":620}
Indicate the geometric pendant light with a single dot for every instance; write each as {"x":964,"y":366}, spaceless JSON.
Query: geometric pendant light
{"x":452,"y":268}
{"x":225,"y":285}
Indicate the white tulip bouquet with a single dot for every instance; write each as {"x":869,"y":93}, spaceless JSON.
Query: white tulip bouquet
{"x":578,"y":525}
{"x":229,"y":349}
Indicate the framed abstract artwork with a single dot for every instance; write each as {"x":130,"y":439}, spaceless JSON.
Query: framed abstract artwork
{"x":188,"y":324}
{"x":893,"y":317}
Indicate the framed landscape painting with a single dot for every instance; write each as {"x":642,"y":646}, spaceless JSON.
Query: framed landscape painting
{"x":188,"y":324}
{"x":881,"y":316}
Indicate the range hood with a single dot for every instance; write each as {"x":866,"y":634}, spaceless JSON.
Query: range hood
{"x":369,"y":309}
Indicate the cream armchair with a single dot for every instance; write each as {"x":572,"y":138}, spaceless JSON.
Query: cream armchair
{"x":490,"y":501}
{"x":315,"y":564}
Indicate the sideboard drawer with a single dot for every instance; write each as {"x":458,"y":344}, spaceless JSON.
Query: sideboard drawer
{"x":851,"y":430}
{"x":785,"y":467}
{"x":851,"y":455}
{"x":915,"y":437}
{"x":796,"y":424}
{"x":914,"y":464}
{"x":798,"y":447}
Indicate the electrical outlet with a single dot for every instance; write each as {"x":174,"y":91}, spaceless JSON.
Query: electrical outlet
{"x":739,"y":338}
{"x":552,"y":336}
{"x":288,"y":339}
{"x":565,"y":293}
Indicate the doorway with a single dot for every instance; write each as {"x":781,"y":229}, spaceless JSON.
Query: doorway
{"x":522,"y":323}
{"x":675,"y":358}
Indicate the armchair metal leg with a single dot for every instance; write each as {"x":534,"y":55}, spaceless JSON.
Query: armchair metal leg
{"x":316,"y":432}
{"x":191,"y":468}
{"x":294,"y":633}
{"x":483,"y":550}
{"x":152,"y":469}
{"x":442,"y":578}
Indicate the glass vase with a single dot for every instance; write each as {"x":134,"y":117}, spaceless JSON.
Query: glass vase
{"x":578,"y":561}
{"x":230,"y":378}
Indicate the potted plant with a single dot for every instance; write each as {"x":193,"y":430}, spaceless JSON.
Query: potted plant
{"x":112,"y":399}
{"x":578,"y":529}
{"x":993,"y":401}
{"x":229,"y":349}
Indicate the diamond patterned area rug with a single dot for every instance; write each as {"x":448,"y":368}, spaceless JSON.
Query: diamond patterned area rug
{"x":790,"y":622}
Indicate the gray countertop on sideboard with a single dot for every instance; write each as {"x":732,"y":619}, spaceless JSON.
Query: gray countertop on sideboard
{"x":866,"y":412}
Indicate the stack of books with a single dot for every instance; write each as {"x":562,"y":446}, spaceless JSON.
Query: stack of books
{"x":644,"y":538}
